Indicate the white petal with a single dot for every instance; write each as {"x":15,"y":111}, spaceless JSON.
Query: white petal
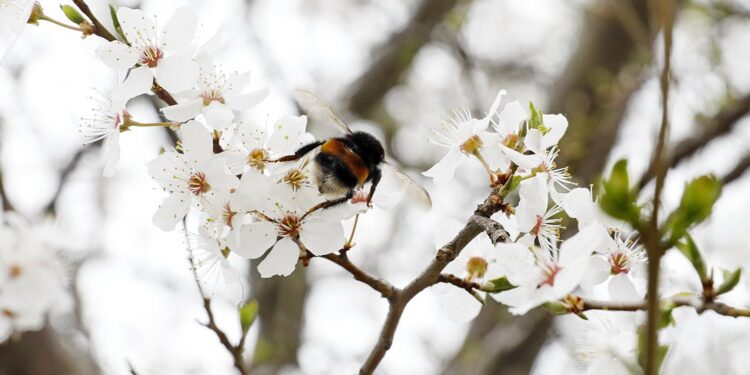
{"x":135,"y":25}
{"x":620,"y":288}
{"x":180,"y":31}
{"x":597,"y":272}
{"x":117,"y":55}
{"x":138,"y":82}
{"x":242,"y":102}
{"x":184,"y":111}
{"x":459,"y":305}
{"x":535,"y":192}
{"x":445,"y":169}
{"x":533,"y":141}
{"x":197,"y":142}
{"x":281,"y":260}
{"x":174,"y":208}
{"x":176,"y":73}
{"x":509,"y":119}
{"x":557,"y":125}
{"x":112,"y":149}
{"x":219,"y":177}
{"x":238,"y":82}
{"x":523,"y":161}
{"x":286,"y":134}
{"x":255,"y":239}
{"x":218,"y":116}
{"x":492,"y":153}
{"x":322,"y":237}
{"x":517,"y":262}
{"x":582,"y":244}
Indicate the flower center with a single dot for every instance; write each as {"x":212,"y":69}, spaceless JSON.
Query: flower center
{"x":8,"y":313}
{"x":549,"y":271}
{"x":295,"y":178}
{"x":197,"y":183}
{"x":538,"y":226}
{"x":150,"y":56}
{"x":225,"y":252}
{"x":290,"y":225}
{"x":212,"y":95}
{"x":619,"y":263}
{"x":471,"y":145}
{"x":14,"y":271}
{"x":510,"y":141}
{"x":360,"y":196}
{"x":257,"y":158}
{"x":227,"y":215}
{"x":476,"y":267}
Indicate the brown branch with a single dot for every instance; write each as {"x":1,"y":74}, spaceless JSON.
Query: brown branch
{"x":379,"y":285}
{"x":99,"y":29}
{"x":720,"y":124}
{"x":700,"y":306}
{"x":739,"y":169}
{"x":7,"y":205}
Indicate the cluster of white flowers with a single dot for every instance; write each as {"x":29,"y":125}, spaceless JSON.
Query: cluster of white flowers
{"x":31,"y":283}
{"x":223,"y":167}
{"x":540,"y":265}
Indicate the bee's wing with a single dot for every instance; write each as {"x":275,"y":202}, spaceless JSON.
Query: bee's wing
{"x":319,"y":111}
{"x":412,"y":188}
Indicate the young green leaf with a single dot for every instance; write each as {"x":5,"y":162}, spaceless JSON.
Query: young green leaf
{"x":695,"y":206}
{"x":731,"y":279}
{"x":618,"y":199}
{"x":688,"y":248}
{"x":248,"y":313}
{"x":500,"y":284}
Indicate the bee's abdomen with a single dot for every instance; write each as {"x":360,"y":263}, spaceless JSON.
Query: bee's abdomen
{"x":334,"y":177}
{"x":347,"y":160}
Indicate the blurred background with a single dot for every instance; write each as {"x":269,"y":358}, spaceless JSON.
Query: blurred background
{"x":395,"y":68}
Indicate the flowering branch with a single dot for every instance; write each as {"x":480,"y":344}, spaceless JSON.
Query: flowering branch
{"x":699,"y":305}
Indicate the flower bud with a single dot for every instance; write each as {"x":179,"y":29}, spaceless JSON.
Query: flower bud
{"x":72,"y":14}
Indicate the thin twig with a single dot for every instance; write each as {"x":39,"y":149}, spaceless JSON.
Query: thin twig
{"x":381,"y":286}
{"x":700,"y":306}
{"x":739,"y":169}
{"x":99,"y":29}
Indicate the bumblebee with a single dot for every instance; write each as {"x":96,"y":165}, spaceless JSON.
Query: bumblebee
{"x":348,"y":162}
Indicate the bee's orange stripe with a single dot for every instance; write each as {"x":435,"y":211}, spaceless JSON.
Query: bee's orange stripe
{"x":352,"y":161}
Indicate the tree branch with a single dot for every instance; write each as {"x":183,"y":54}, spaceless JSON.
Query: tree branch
{"x":99,"y":29}
{"x":699,"y":305}
{"x":738,"y":170}
{"x":720,"y":124}
{"x":379,"y":285}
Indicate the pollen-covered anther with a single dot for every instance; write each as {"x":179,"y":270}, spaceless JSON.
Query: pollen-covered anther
{"x":14,"y":271}
{"x":151,"y":56}
{"x":212,"y":95}
{"x":476,"y":267}
{"x":471,"y":145}
{"x":619,"y":263}
{"x":574,"y":304}
{"x":510,"y":141}
{"x":289,"y":225}
{"x":225,"y":252}
{"x":257,"y":158}
{"x":295,"y":178}
{"x":197,"y":183}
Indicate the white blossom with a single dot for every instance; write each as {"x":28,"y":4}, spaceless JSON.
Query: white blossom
{"x":14,"y":14}
{"x":534,"y":217}
{"x":217,"y":96}
{"x":165,"y":55}
{"x":196,"y":174}
{"x":621,"y":264}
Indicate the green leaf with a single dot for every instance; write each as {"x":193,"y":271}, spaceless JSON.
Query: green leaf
{"x":688,"y":248}
{"x":72,"y":14}
{"x":618,"y":200}
{"x":116,"y":22}
{"x":248,"y":313}
{"x":536,"y":121}
{"x":731,"y":279}
{"x":514,"y":183}
{"x":556,"y":307}
{"x":500,"y":284}
{"x":695,"y":206}
{"x":665,"y":314}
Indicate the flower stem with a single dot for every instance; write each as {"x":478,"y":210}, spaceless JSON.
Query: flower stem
{"x":58,"y":23}
{"x":350,"y":242}
{"x":129,"y":122}
{"x":490,"y":173}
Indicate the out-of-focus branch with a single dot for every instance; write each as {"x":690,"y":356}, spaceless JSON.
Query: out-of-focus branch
{"x":699,"y":305}
{"x":43,"y":352}
{"x":739,"y":169}
{"x":7,"y":205}
{"x":381,"y":286}
{"x":720,"y":124}
{"x":395,"y":56}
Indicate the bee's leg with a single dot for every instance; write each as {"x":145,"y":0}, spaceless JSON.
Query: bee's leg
{"x":376,"y":175}
{"x":329,"y":203}
{"x":299,"y":153}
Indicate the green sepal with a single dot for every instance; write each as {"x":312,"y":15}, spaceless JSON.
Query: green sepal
{"x":501,"y":284}
{"x":72,"y":14}
{"x":248,"y":313}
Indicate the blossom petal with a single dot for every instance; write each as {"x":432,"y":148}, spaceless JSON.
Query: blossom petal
{"x":322,"y":237}
{"x":219,"y":177}
{"x":281,"y":260}
{"x":523,"y":161}
{"x":197,"y":142}
{"x":135,"y":25}
{"x":557,"y":125}
{"x":597,"y":272}
{"x":242,"y":102}
{"x":510,"y":118}
{"x":179,"y":32}
{"x":582,"y":244}
{"x":172,"y":210}
{"x":139,"y":82}
{"x":445,"y":169}
{"x":117,"y":55}
{"x":176,"y":73}
{"x":184,"y":111}
{"x":620,"y":288}
{"x":255,"y":239}
{"x":218,"y":116}
{"x":286,"y":134}
{"x":459,"y":305}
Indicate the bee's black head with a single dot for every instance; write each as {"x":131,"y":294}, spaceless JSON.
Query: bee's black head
{"x":370,"y":149}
